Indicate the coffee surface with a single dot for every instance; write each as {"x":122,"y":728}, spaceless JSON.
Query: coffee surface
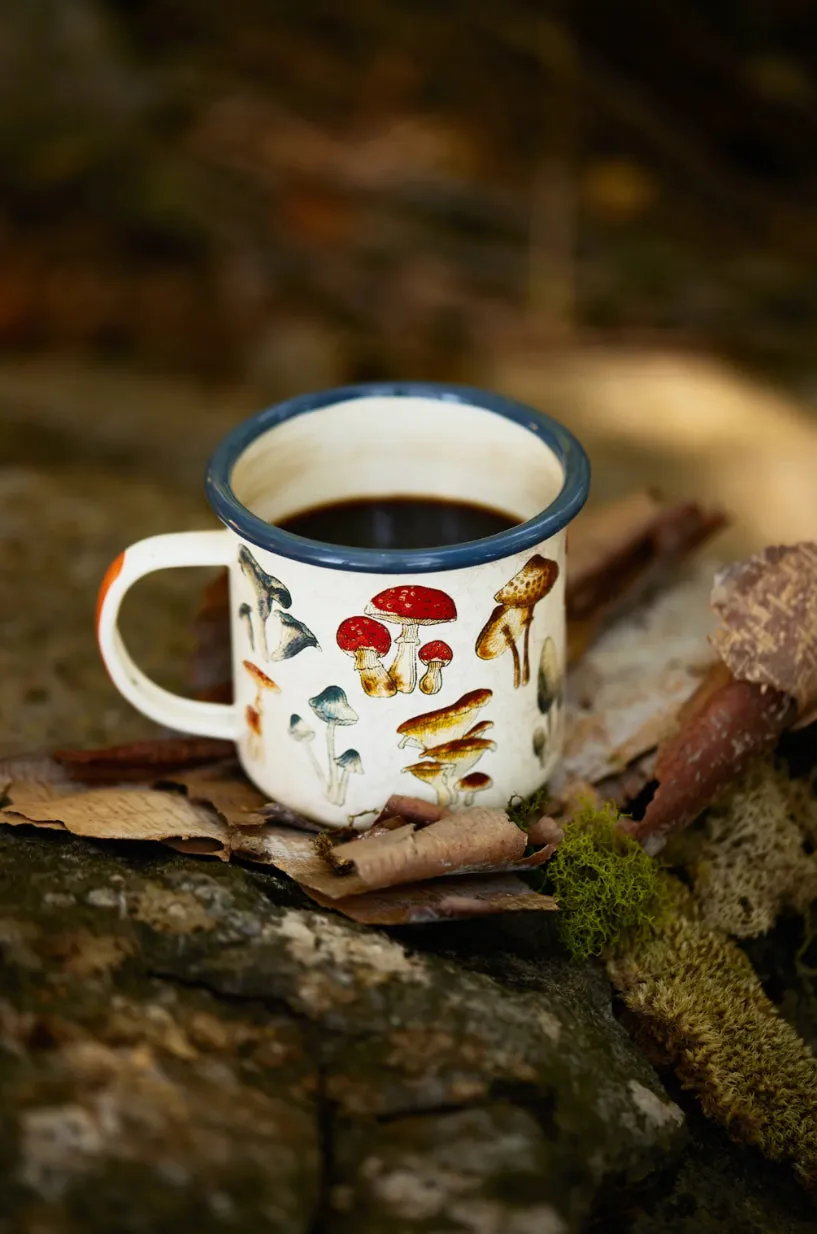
{"x":397,"y":522}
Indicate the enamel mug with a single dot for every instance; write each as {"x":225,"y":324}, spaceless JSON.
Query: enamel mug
{"x":362,"y":672}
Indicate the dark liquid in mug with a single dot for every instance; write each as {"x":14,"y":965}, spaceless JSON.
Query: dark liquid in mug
{"x":398,"y":522}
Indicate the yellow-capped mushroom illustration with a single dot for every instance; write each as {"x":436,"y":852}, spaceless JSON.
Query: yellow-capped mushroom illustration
{"x":512,"y":617}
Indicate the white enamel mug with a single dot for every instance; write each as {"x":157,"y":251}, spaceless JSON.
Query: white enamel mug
{"x":362,"y":672}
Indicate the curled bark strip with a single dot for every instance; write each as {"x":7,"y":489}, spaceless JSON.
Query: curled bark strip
{"x":727,"y":728}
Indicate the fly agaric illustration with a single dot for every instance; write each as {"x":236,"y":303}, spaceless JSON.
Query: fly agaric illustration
{"x":513,"y":615}
{"x":436,"y":775}
{"x":261,"y":682}
{"x":332,"y":707}
{"x":435,"y":655}
{"x":446,"y":722}
{"x":368,"y":642}
{"x":268,"y":592}
{"x":476,"y":782}
{"x":410,"y":606}
{"x":300,"y":731}
{"x":348,"y":763}
{"x":245,"y":614}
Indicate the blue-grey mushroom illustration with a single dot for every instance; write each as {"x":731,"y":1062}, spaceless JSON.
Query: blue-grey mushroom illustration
{"x":245,"y":614}
{"x":549,"y":700}
{"x":281,"y":636}
{"x":348,"y":763}
{"x":332,"y":707}
{"x":268,"y":590}
{"x":300,"y":731}
{"x":293,"y":637}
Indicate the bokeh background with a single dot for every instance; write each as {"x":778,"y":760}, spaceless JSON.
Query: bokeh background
{"x":607,"y":210}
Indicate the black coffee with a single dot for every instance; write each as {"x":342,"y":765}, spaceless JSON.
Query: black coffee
{"x":398,"y":522}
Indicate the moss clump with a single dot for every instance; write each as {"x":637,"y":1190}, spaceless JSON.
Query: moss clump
{"x":754,"y":859}
{"x":699,"y":997}
{"x":607,"y":887}
{"x":525,"y":811}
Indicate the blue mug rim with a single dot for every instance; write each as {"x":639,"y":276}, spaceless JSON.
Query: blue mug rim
{"x":562,"y":510}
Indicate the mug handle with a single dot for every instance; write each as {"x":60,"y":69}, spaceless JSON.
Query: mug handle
{"x":185,"y":548}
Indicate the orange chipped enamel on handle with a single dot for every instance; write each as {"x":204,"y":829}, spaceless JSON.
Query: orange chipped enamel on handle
{"x":111,"y":575}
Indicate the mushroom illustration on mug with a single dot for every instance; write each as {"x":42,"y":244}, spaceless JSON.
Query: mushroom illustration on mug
{"x":367,"y":641}
{"x":435,"y":655}
{"x":271,"y":598}
{"x":410,"y":606}
{"x":245,"y":613}
{"x":513,"y":615}
{"x":450,"y":722}
{"x":332,"y":707}
{"x":254,"y":714}
{"x":470,"y":785}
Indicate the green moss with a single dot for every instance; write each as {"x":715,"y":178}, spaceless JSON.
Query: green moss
{"x":607,"y":887}
{"x":524,"y":811}
{"x":699,"y":998}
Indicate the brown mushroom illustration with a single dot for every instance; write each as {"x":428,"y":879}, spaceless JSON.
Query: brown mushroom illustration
{"x":368,"y":641}
{"x":255,"y":744}
{"x":435,"y":775}
{"x":447,"y":722}
{"x":410,"y":606}
{"x":514,"y":613}
{"x":480,"y":729}
{"x":457,"y":758}
{"x":435,"y":655}
{"x":476,"y":782}
{"x":262,"y":682}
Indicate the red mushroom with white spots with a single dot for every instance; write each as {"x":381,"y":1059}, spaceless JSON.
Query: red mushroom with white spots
{"x":410,"y":606}
{"x":435,"y":655}
{"x":367,"y":641}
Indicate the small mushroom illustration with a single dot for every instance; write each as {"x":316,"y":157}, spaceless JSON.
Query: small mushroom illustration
{"x":540,"y":745}
{"x":268,"y":592}
{"x":332,"y":707}
{"x":300,"y":731}
{"x":245,"y":614}
{"x":476,"y":782}
{"x":255,"y":744}
{"x":460,"y":755}
{"x":451,"y":722}
{"x":368,"y":642}
{"x":410,"y":606}
{"x":434,"y":774}
{"x":548,"y":680}
{"x":293,"y":637}
{"x":348,"y":763}
{"x":435,"y":655}
{"x":514,"y":613}
{"x":261,"y":682}
{"x":480,"y":729}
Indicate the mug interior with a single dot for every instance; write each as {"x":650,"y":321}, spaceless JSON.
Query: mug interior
{"x":387,"y":446}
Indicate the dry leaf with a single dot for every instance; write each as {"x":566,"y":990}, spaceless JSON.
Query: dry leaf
{"x":36,"y":776}
{"x":724,"y":730}
{"x":121,"y":814}
{"x":623,"y":697}
{"x":142,"y":759}
{"x":281,"y":815}
{"x":444,"y":899}
{"x":768,"y":611}
{"x":621,"y":550}
{"x":224,"y":788}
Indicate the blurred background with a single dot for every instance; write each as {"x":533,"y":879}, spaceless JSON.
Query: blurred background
{"x":607,"y":210}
